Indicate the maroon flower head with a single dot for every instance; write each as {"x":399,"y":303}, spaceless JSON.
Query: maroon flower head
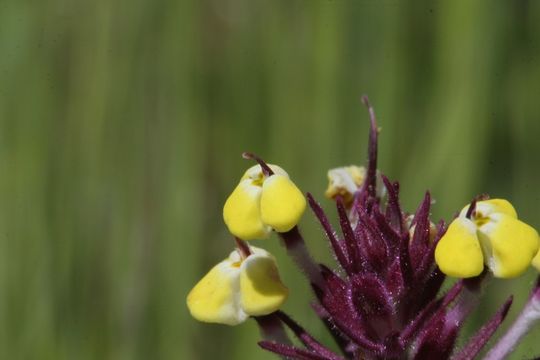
{"x":383,"y":301}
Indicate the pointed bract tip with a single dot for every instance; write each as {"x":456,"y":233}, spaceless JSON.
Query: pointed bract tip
{"x":367,"y":104}
{"x":365,"y":101}
{"x":370,"y":181}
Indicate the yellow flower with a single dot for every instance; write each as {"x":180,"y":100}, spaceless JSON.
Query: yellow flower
{"x":492,"y":236}
{"x":345,"y":181}
{"x":262,"y":203}
{"x":237,"y":288}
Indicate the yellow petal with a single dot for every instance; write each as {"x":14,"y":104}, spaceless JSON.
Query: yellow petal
{"x":241,"y":212}
{"x":255,"y":173}
{"x":502,"y":206}
{"x":214,"y":298}
{"x":512,"y":243}
{"x":458,"y":253}
{"x":282,"y":203}
{"x":261,"y":289}
{"x":487,"y":207}
{"x":536,"y":261}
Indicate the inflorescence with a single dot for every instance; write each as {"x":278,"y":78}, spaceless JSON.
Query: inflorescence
{"x":384,"y":301}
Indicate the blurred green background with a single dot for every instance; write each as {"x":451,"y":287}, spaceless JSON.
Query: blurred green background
{"x":122,"y":124}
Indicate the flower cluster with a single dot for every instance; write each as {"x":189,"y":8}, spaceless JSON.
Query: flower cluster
{"x":247,"y":283}
{"x":384,"y":300}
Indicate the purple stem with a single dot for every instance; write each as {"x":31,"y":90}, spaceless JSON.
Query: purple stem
{"x":272,"y":329}
{"x":297,"y":250}
{"x":469,"y":297}
{"x":524,"y":322}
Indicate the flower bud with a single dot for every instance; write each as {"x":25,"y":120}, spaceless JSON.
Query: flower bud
{"x":344,"y":182}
